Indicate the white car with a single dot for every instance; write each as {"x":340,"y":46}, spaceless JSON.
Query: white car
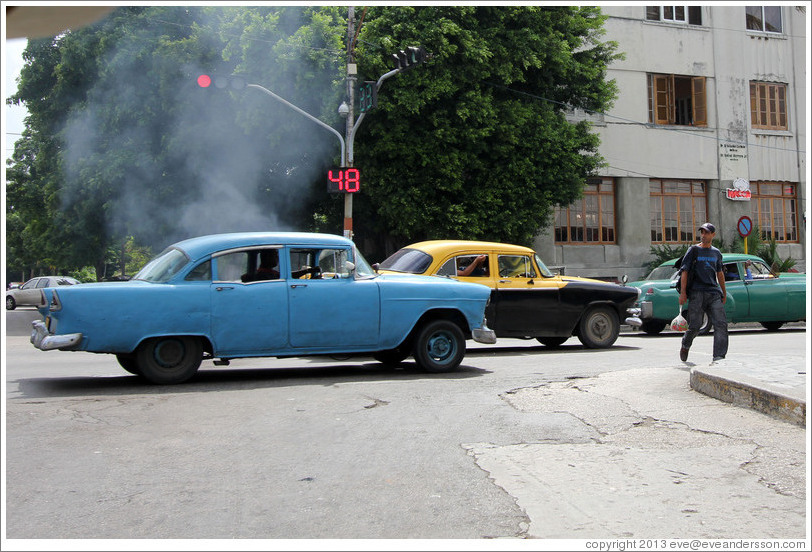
{"x":30,"y":293}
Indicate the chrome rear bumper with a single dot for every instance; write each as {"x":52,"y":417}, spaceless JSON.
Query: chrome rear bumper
{"x":43,"y":340}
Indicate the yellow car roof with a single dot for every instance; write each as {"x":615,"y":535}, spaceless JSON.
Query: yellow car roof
{"x":446,"y":247}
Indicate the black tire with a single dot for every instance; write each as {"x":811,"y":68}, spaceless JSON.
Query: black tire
{"x":168,"y":360}
{"x":599,"y":328}
{"x":11,"y":304}
{"x":129,"y":362}
{"x":653,"y":328}
{"x":392,"y":357}
{"x":772,"y":326}
{"x":552,"y":342}
{"x":439,"y":347}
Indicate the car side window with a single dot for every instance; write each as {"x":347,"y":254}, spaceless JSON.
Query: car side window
{"x":200,"y":273}
{"x":231,"y":266}
{"x":333,"y":263}
{"x":760,"y":271}
{"x":30,"y":284}
{"x":471,"y":266}
{"x":516,"y":266}
{"x":731,"y":272}
{"x":43,"y":282}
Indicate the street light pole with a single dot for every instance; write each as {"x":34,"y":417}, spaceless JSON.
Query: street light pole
{"x":352,"y":71}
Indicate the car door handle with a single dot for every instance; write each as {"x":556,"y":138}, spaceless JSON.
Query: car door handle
{"x":504,"y":281}
{"x":293,"y":286}
{"x":223,"y":288}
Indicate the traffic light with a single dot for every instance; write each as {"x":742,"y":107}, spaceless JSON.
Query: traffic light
{"x":410,"y":57}
{"x":234,"y":82}
{"x":367,"y":96}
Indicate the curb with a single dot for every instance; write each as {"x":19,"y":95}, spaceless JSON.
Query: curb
{"x":786,"y":404}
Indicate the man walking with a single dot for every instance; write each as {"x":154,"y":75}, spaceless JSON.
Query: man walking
{"x":707,"y":293}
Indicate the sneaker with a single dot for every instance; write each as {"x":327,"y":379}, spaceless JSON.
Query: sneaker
{"x":683,"y":354}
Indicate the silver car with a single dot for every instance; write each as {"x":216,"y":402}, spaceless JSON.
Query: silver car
{"x":30,"y":293}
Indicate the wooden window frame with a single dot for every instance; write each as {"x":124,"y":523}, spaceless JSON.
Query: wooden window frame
{"x":606,"y":233}
{"x":663,"y":103}
{"x":769,"y":207}
{"x":769,"y":105}
{"x":687,"y":220}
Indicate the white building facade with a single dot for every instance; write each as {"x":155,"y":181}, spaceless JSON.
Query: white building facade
{"x":709,"y":125}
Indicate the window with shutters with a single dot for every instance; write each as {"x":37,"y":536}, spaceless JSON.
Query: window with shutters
{"x":677,"y":100}
{"x":768,"y":105}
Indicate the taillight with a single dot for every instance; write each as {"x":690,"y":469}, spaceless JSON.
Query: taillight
{"x":56,"y":304}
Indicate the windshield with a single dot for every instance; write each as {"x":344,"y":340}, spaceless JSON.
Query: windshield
{"x":662,"y":273}
{"x":163,"y":267}
{"x":407,"y":260}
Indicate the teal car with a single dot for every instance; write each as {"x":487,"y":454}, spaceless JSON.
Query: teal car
{"x":754,"y":294}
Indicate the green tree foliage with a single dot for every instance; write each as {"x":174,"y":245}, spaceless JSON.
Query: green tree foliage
{"x":475,"y":144}
{"x":121,"y":142}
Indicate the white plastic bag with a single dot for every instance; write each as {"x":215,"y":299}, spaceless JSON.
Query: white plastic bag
{"x":679,"y":324}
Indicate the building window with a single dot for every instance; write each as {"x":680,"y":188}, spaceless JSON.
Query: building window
{"x":591,"y":219}
{"x":678,"y":207}
{"x":764,"y":18}
{"x":775,"y":210}
{"x":768,"y":105}
{"x":675,"y":14}
{"x":677,"y":100}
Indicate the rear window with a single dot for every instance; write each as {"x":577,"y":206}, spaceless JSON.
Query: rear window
{"x":408,"y":260}
{"x":662,"y":273}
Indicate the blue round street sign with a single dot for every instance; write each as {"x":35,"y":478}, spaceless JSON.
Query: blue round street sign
{"x":745,"y":226}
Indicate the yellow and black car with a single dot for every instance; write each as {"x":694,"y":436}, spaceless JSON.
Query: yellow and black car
{"x":527,"y":299}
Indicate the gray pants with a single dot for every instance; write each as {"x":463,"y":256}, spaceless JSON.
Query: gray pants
{"x":710,"y":302}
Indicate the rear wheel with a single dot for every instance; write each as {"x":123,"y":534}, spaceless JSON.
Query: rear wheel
{"x":440,"y":346}
{"x":552,"y":342}
{"x":706,"y":326}
{"x":653,"y":328}
{"x":167,"y":360}
{"x":599,"y":328}
{"x":771,"y":326}
{"x":11,"y":304}
{"x":392,"y":357}
{"x":129,"y":362}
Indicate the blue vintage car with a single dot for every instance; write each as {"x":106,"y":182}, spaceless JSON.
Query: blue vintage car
{"x":242,"y":295}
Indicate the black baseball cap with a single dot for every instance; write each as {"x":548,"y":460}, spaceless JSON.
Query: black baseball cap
{"x":708,"y":227}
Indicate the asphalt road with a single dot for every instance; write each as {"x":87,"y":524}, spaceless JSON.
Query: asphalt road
{"x":521,"y":442}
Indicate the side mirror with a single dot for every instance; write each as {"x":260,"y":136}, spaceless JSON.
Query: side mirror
{"x":625,"y":279}
{"x":350,"y":267}
{"x":376,"y":266}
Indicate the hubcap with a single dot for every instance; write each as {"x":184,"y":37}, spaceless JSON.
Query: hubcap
{"x":441,"y":347}
{"x":600,"y":327}
{"x":169,"y":353}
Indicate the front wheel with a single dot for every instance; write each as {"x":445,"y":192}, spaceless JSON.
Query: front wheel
{"x":706,"y":326}
{"x":599,"y":328}
{"x":167,"y":360}
{"x":439,"y":346}
{"x":771,"y":326}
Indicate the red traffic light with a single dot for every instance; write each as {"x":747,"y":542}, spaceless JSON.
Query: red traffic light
{"x":204,"y":81}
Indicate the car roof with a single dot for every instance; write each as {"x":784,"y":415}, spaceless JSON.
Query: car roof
{"x":204,"y":245}
{"x":726,"y":258}
{"x":445,"y":247}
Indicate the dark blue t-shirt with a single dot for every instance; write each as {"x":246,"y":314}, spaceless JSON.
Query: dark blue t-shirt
{"x":708,"y":263}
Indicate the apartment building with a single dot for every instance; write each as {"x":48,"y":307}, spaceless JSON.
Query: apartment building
{"x":709,"y":125}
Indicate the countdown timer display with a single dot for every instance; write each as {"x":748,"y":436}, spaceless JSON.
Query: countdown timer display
{"x":343,"y":180}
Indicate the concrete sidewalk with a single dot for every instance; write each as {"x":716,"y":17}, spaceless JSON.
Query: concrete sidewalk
{"x":775,"y":386}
